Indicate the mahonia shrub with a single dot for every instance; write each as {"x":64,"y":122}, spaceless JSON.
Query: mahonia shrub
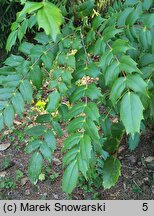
{"x":99,"y":71}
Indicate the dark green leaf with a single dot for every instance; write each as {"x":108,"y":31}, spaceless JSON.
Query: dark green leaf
{"x":35,"y":167}
{"x":136,"y":83}
{"x":18,"y":103}
{"x":11,"y":40}
{"x":117,"y":89}
{"x":32,"y":146}
{"x":53,"y":103}
{"x":70,"y":177}
{"x":133,"y":142}
{"x":111,"y":172}
{"x":93,"y":92}
{"x":26,"y":91}
{"x":44,"y":118}
{"x":1,"y":122}
{"x":50,"y":140}
{"x":128,"y":64}
{"x":46,"y":151}
{"x":75,"y":124}
{"x":91,"y":110}
{"x":78,"y":93}
{"x":131,"y":113}
{"x":36,"y":130}
{"x":36,"y":76}
{"x":71,"y":141}
{"x":9,"y":116}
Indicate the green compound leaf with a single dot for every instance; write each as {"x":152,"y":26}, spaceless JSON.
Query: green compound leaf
{"x":131,"y":112}
{"x":53,"y":103}
{"x":50,"y":18}
{"x":35,"y":167}
{"x":70,"y":177}
{"x":111,"y":172}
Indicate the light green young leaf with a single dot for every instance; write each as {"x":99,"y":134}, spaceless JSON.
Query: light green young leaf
{"x":131,"y":112}
{"x":29,"y":8}
{"x":35,"y":167}
{"x":111,"y":172}
{"x":70,"y":177}
{"x":50,"y":18}
{"x":53,"y":103}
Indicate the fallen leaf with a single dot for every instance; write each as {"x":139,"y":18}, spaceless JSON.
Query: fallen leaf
{"x":2,"y":174}
{"x":4,"y":146}
{"x":24,"y":181}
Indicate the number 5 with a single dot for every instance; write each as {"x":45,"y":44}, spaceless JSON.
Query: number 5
{"x":145,"y":207}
